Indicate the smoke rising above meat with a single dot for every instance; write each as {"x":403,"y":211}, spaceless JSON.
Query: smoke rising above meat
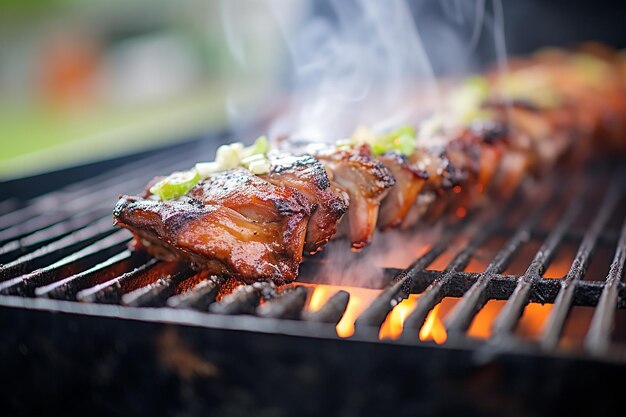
{"x":349,"y":65}
{"x":359,"y":62}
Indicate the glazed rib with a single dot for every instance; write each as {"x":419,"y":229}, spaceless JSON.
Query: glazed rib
{"x":307,"y":175}
{"x":235,"y":224}
{"x":409,"y":182}
{"x":367,"y":182}
{"x":256,"y":227}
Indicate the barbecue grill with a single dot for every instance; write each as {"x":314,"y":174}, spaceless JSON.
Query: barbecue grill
{"x":89,"y":325}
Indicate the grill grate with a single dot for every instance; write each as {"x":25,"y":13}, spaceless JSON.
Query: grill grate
{"x":61,"y":246}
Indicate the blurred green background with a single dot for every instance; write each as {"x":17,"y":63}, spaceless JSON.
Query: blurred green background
{"x":83,"y":80}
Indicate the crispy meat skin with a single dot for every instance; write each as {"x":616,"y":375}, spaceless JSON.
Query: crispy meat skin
{"x":367,"y":182}
{"x":234,"y":225}
{"x":307,"y":175}
{"x":541,"y":135}
{"x":250,"y":196}
{"x":256,"y":228}
{"x":409,"y":182}
{"x":439,"y":175}
{"x":458,"y":172}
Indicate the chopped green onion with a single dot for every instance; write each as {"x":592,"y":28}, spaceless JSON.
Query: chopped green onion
{"x":592,"y":69}
{"x":259,"y":167}
{"x":401,"y":140}
{"x":479,"y":84}
{"x":176,"y":185}
{"x":345,"y":144}
{"x":235,"y":155}
{"x":206,"y":169}
{"x":465,"y":102}
{"x":477,"y":114}
{"x":431,"y":127}
{"x":530,"y":84}
{"x":228,"y":156}
{"x":251,"y":158}
{"x":361,"y":135}
{"x":260,"y":146}
{"x":405,"y":144}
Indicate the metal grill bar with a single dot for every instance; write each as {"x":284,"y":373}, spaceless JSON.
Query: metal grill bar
{"x":12,"y":249}
{"x":84,"y":258}
{"x":436,"y":291}
{"x":562,"y":305}
{"x":309,"y":273}
{"x":155,"y":294}
{"x":288,"y":305}
{"x":607,"y":238}
{"x":400,"y":288}
{"x":462,"y":315}
{"x":243,"y":300}
{"x":68,"y":287}
{"x":98,"y":191}
{"x":333,"y":310}
{"x":513,"y":309}
{"x":8,"y":205}
{"x":199,"y":297}
{"x":56,"y":250}
{"x":109,"y":291}
{"x":597,"y":340}
{"x":32,"y":225}
{"x":502,"y":287}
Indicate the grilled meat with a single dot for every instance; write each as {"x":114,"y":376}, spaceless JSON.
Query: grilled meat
{"x":256,"y":227}
{"x":307,"y":175}
{"x":367,"y":182}
{"x":442,"y":176}
{"x":401,"y":197}
{"x":250,"y":196}
{"x":232,"y":224}
{"x":492,"y":137}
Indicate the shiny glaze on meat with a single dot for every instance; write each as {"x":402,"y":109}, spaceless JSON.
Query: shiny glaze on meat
{"x":235,"y":224}
{"x":256,"y":227}
{"x":402,"y":196}
{"x":366,"y":181}
{"x":307,"y":175}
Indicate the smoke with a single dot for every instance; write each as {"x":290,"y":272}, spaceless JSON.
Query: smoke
{"x":353,"y":62}
{"x":345,"y":63}
{"x":391,"y":249}
{"x":373,"y":63}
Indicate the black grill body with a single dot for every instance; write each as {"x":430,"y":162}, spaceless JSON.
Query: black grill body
{"x":73,"y":363}
{"x":90,"y":326}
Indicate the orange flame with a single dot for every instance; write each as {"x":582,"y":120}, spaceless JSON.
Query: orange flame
{"x":393,"y":325}
{"x":483,"y":321}
{"x":530,"y":323}
{"x":559,"y":267}
{"x":360,"y":298}
{"x":320,"y":295}
{"x":433,"y":328}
